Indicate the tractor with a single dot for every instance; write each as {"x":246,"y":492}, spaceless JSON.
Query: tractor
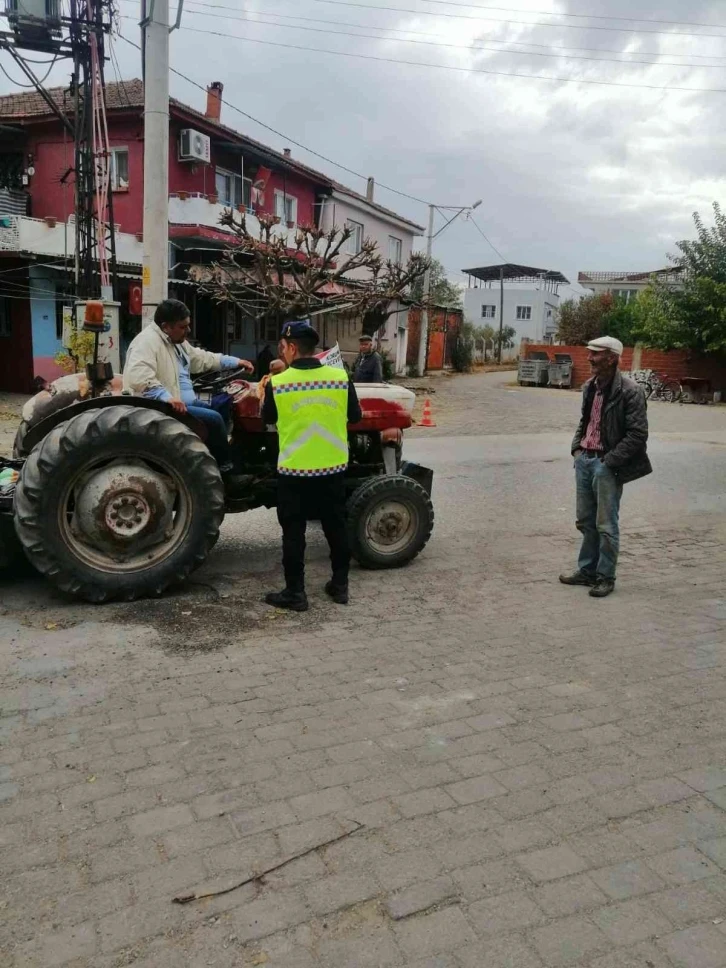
{"x":115,"y":496}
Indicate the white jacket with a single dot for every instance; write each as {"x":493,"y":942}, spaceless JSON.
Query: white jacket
{"x":152,"y":361}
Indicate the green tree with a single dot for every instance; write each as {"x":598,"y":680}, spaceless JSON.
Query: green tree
{"x":692,"y":316}
{"x":579,"y":322}
{"x":488,"y":334}
{"x":506,"y":337}
{"x":621,"y":321}
{"x":443,"y":292}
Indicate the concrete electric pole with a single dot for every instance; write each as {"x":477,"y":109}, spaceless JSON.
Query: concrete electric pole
{"x":155,"y":276}
{"x":430,"y":236}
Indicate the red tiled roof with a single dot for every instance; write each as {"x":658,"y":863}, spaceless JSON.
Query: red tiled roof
{"x":130,"y":94}
{"x":29,"y":104}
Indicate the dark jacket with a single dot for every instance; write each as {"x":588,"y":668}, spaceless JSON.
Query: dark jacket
{"x":623,"y":428}
{"x":269,"y":407}
{"x":368,"y":368}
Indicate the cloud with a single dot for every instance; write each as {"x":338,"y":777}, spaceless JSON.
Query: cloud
{"x":572,"y":175}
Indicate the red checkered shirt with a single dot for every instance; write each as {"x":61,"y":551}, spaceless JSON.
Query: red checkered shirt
{"x":592,"y":439}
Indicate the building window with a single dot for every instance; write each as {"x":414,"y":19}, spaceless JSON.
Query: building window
{"x":6,"y":325}
{"x":355,"y":242}
{"x":286,"y":207}
{"x":524,"y":312}
{"x":395,"y":250}
{"x":488,"y":312}
{"x":233,"y":190}
{"x":625,"y":294}
{"x":119,"y":169}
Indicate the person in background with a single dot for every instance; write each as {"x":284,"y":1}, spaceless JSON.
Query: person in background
{"x":368,"y":366}
{"x":160,"y":365}
{"x":264,"y":358}
{"x":609,"y":448}
{"x":312,"y":405}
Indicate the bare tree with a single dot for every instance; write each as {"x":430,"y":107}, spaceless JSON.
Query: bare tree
{"x":277,"y":279}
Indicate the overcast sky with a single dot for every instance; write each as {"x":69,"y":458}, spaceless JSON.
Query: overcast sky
{"x":572,"y":176}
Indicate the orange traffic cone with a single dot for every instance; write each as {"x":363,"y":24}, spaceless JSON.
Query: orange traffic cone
{"x":428,"y":420}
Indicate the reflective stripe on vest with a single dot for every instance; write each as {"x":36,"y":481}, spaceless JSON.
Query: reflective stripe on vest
{"x":312,"y":421}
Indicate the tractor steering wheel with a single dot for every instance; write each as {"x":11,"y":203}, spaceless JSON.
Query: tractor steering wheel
{"x":215,"y":384}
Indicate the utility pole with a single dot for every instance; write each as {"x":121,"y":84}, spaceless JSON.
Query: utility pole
{"x":156,"y":156}
{"x":431,"y":235}
{"x":501,"y":313}
{"x":424,"y":334}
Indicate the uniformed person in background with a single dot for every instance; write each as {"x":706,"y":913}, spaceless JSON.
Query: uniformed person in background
{"x":312,"y":405}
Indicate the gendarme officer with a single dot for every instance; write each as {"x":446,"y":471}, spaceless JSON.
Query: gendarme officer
{"x":312,"y":405}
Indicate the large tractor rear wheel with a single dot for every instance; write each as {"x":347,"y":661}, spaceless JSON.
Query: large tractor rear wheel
{"x":390,"y":519}
{"x":119,"y":503}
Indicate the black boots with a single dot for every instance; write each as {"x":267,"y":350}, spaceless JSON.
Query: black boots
{"x":293,"y":601}
{"x":339,"y":593}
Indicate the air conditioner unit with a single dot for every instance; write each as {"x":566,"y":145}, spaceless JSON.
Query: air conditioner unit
{"x":194,"y":146}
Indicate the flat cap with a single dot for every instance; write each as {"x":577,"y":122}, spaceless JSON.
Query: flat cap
{"x":606,"y":343}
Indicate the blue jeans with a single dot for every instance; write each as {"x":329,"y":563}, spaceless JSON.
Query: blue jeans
{"x":217,"y":440}
{"x":598,"y":507}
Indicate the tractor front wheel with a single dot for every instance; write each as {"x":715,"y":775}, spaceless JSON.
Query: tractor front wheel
{"x":119,"y":503}
{"x":390,"y":519}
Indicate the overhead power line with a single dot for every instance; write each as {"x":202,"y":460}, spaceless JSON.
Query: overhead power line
{"x":468,"y":47}
{"x":499,"y":20}
{"x":449,"y":67}
{"x":289,"y":140}
{"x":486,"y":237}
{"x":421,"y":33}
{"x":571,"y":16}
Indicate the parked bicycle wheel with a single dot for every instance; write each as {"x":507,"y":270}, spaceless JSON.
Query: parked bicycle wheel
{"x":671,"y":392}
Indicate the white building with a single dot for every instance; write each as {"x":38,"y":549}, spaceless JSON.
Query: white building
{"x":530,"y":296}
{"x":394,"y":236}
{"x":626,"y":285}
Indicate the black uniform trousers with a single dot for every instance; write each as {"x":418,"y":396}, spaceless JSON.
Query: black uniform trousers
{"x":303,"y":499}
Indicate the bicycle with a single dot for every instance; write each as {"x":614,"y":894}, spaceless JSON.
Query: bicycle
{"x":662,"y":387}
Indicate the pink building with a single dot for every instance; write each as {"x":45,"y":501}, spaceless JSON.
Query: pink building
{"x":211,"y":167}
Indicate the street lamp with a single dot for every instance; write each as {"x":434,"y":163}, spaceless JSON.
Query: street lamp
{"x":457,"y":210}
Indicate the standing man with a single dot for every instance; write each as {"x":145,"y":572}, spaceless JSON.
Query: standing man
{"x":160,"y":364}
{"x":368,"y":366}
{"x":609,"y":448}
{"x":312,"y":405}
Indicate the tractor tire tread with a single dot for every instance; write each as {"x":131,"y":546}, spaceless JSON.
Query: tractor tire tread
{"x":356,"y":506}
{"x":67,"y":440}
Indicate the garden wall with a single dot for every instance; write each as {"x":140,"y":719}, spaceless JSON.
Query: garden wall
{"x":676,"y":363}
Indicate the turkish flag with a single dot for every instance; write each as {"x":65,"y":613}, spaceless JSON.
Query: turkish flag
{"x":136,"y":300}
{"x":259,"y":185}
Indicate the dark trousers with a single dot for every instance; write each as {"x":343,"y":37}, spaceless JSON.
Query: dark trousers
{"x":303,"y":499}
{"x":217,"y":440}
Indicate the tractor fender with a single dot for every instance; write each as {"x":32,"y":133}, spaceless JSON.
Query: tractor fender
{"x":29,"y":437}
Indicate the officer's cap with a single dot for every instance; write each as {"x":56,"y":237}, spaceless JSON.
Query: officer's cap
{"x":299,"y":329}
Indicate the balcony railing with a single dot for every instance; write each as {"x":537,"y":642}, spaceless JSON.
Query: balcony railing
{"x":51,"y":237}
{"x":196,"y":209}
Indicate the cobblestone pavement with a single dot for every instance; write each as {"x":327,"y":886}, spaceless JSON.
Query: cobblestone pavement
{"x":540,"y":779}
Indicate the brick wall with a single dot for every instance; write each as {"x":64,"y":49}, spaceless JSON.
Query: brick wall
{"x":676,"y":363}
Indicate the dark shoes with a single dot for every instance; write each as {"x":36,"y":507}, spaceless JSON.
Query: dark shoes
{"x":599,"y":587}
{"x":579,"y":578}
{"x":293,"y":601}
{"x":339,"y":593}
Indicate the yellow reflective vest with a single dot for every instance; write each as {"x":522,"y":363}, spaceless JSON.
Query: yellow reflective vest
{"x":312,"y":421}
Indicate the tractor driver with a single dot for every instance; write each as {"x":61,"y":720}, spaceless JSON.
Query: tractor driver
{"x":160,"y":364}
{"x":312,"y":405}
